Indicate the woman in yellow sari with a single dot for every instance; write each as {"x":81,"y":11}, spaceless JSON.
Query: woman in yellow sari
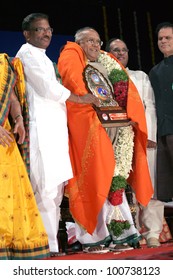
{"x":22,"y":234}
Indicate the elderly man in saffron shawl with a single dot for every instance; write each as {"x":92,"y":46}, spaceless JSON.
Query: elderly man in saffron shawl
{"x":95,"y":160}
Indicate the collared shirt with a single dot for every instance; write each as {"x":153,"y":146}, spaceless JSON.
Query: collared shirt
{"x":49,"y":149}
{"x":161,"y":77}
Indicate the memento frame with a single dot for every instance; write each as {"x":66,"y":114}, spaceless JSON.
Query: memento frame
{"x":109,"y":113}
{"x":99,"y":86}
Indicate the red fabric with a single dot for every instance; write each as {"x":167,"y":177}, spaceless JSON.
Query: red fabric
{"x":164,"y":252}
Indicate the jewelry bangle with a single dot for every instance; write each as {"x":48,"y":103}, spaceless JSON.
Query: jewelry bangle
{"x":18,"y":116}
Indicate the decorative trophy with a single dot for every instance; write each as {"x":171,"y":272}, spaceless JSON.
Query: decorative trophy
{"x":109,"y":113}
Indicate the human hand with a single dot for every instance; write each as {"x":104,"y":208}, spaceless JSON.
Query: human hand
{"x":19,"y":130}
{"x":5,"y":137}
{"x":151,"y":144}
{"x":134,"y":124}
{"x":89,"y":99}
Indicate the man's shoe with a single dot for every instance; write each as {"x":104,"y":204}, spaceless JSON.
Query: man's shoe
{"x":153,"y":242}
{"x":75,"y":247}
{"x":100,"y":249}
{"x":120,"y":247}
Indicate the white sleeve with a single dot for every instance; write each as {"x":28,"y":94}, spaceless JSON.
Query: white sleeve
{"x":40,"y":75}
{"x":150,"y":110}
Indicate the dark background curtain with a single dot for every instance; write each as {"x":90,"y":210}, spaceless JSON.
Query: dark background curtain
{"x":131,"y":20}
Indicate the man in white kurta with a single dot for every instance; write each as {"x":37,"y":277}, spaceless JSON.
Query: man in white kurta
{"x":50,"y":164}
{"x":49,"y":153}
{"x":151,"y":216}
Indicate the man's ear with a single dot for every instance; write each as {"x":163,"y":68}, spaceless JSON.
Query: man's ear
{"x":26,"y":35}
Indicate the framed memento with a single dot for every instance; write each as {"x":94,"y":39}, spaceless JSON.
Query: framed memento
{"x":99,"y":86}
{"x":109,"y":113}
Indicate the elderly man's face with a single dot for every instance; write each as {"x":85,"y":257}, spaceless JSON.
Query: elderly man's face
{"x":91,"y":44}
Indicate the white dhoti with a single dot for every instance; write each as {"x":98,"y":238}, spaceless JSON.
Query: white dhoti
{"x":50,"y":164}
{"x":151,"y":216}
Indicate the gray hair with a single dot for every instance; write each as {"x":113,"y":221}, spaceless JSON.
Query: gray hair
{"x":80,"y":33}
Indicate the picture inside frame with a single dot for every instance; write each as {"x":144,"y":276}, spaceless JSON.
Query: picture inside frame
{"x":99,"y":86}
{"x":109,"y":113}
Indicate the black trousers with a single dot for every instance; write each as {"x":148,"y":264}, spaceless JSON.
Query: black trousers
{"x":165,"y":168}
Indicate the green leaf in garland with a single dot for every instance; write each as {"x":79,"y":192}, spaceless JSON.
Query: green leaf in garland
{"x":117,"y":75}
{"x":117,"y":227}
{"x":118,"y":182}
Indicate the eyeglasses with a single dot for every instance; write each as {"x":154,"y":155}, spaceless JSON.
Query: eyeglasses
{"x":120,"y":50}
{"x":42,"y":29}
{"x":94,"y":42}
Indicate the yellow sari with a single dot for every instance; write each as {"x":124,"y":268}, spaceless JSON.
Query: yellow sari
{"x":22,"y":233}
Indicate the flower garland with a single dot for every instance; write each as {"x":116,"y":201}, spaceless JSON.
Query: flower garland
{"x":118,"y":77}
{"x":116,"y":190}
{"x":124,"y":145}
{"x":108,"y":62}
{"x":118,"y":226}
{"x":125,"y":141}
{"x":118,"y":183}
{"x":124,"y":151}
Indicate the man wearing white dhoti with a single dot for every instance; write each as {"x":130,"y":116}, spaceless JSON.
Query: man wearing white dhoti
{"x":49,"y":151}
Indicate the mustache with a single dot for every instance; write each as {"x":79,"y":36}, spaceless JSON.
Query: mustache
{"x":47,"y":37}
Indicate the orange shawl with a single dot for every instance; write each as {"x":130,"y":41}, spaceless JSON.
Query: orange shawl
{"x":91,"y":150}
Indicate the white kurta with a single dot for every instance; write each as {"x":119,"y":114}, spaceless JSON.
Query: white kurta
{"x":47,"y":119}
{"x":49,"y":150}
{"x":143,"y":85}
{"x":152,"y":215}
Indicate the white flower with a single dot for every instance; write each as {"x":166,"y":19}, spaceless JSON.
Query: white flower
{"x":125,"y":141}
{"x":108,"y":62}
{"x":124,"y":151}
